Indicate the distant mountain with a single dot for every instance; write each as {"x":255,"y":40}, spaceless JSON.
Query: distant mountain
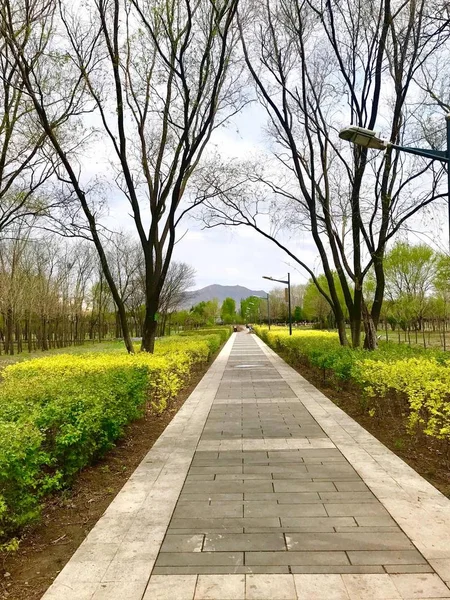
{"x":237,"y":292}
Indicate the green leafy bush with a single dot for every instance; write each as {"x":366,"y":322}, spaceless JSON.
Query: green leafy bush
{"x":223,"y":332}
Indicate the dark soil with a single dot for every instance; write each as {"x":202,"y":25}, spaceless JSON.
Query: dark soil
{"x":428,"y":457}
{"x":68,"y":517}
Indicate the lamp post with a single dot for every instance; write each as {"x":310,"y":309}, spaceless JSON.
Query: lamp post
{"x":288,"y":283}
{"x":368,"y":139}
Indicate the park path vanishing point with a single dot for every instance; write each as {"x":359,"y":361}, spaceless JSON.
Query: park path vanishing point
{"x":262,"y":489}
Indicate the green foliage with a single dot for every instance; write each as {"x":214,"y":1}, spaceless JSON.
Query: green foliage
{"x":315,"y":306}
{"x":205,"y":313}
{"x":228,"y":310}
{"x":297,"y":315}
{"x":59,"y":413}
{"x":208,"y":333}
{"x":410,"y":272}
{"x":251,"y":308}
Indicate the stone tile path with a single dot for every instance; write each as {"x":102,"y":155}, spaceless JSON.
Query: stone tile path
{"x":262,"y":489}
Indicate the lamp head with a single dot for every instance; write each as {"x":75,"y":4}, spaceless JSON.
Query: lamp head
{"x":362,"y":137}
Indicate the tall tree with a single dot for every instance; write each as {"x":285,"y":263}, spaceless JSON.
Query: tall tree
{"x":312,"y":62}
{"x":25,"y":167}
{"x":410,"y":274}
{"x":58,"y":94}
{"x":228,"y":310}
{"x":161,"y":76}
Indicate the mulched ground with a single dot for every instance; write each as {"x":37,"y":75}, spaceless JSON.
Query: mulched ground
{"x":68,"y":517}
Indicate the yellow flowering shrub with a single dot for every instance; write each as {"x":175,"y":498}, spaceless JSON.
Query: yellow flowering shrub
{"x":420,"y":376}
{"x":425,"y":383}
{"x":59,"y":412}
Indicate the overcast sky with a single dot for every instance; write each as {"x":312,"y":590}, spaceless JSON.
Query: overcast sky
{"x":240,"y":256}
{"x":236,"y":256}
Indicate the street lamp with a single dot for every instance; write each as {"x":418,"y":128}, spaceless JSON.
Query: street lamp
{"x":368,"y":139}
{"x":288,"y":283}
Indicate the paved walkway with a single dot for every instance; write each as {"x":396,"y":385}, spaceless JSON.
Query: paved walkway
{"x":262,"y":489}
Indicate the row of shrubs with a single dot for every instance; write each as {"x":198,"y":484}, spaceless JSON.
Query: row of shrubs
{"x":59,"y":413}
{"x":415,"y":379}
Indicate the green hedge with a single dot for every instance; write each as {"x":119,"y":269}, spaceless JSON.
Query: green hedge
{"x":223,"y":332}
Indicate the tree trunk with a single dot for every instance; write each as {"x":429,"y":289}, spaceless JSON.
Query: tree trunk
{"x":379,"y":288}
{"x":356,"y":318}
{"x":29,"y":334}
{"x":340,"y":324}
{"x":44,"y":334}
{"x":9,"y":331}
{"x":19,"y":337}
{"x":149,"y":331}
{"x":370,"y":340}
{"x":150,"y":323}
{"x":118,"y":327}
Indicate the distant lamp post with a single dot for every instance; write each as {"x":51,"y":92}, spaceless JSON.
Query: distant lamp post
{"x":288,"y":283}
{"x":368,"y":139}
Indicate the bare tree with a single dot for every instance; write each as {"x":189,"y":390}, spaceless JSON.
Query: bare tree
{"x":57,"y":92}
{"x":180,"y":277}
{"x":161,"y":76}
{"x":317,"y":66}
{"x":24,"y":165}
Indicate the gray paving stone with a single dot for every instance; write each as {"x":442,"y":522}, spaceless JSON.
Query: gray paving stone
{"x":288,"y":486}
{"x":225,"y":462}
{"x":220,"y":569}
{"x":348,"y":497}
{"x":351,"y":486}
{"x":215,"y":470}
{"x":272,"y":509}
{"x":182,"y":543}
{"x":244,"y":542}
{"x":204,"y":525}
{"x":199,"y":511}
{"x":310,"y":524}
{"x":356,"y":510}
{"x":296,"y":558}
{"x":186,"y":531}
{"x":369,"y":569}
{"x":386,"y":557}
{"x":192,"y":559}
{"x":382,"y":521}
{"x":210,"y":498}
{"x":408,"y":568}
{"x":201,"y":477}
{"x":306,"y":453}
{"x":299,"y":498}
{"x":348,"y":541}
{"x":244,"y":477}
{"x":325,"y":474}
{"x":293,"y":468}
{"x":312,"y":529}
{"x":393,"y":529}
{"x":225,"y":487}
